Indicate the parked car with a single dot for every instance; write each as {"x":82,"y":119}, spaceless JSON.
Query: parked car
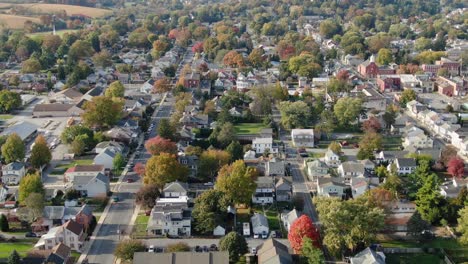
{"x":264,"y":235}
{"x":151,"y":248}
{"x":256,"y":235}
{"x":253,"y":251}
{"x":198,"y":248}
{"x":158,"y":250}
{"x":30,"y":234}
{"x":273,"y":234}
{"x":213,"y":247}
{"x":130,"y":180}
{"x":115,"y":198}
{"x":205,"y":249}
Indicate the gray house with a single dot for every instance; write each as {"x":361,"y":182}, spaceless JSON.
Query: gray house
{"x":283,"y":188}
{"x":274,"y":167}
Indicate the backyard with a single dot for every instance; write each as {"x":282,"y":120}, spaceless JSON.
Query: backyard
{"x":248,"y":128}
{"x":21,"y":246}
{"x":413,"y":258}
{"x":62,"y":168}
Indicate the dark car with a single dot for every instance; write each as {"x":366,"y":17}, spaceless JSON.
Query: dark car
{"x":205,"y":248}
{"x":198,"y":249}
{"x":158,"y":250}
{"x":130,"y":180}
{"x":213,"y":247}
{"x":30,"y":234}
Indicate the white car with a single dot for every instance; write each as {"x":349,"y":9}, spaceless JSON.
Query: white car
{"x":253,"y":251}
{"x":151,"y":248}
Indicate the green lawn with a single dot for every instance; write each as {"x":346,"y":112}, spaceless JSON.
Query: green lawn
{"x":74,"y":163}
{"x":6,"y":117}
{"x":273,"y":220}
{"x":434,"y":243}
{"x":21,"y":247}
{"x":413,"y":258}
{"x":316,"y":155}
{"x":141,"y":223}
{"x":248,"y":128}
{"x":58,"y":32}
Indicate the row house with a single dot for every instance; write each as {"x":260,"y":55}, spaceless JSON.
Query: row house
{"x":452,"y":86}
{"x":416,"y":138}
{"x":453,"y":67}
{"x":270,"y":189}
{"x":71,"y":234}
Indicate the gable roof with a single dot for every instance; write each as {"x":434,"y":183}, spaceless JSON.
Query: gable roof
{"x":406,"y":162}
{"x":52,"y":107}
{"x":368,"y":256}
{"x":14,"y":166}
{"x":259,"y":220}
{"x":53,"y":212}
{"x":272,"y":251}
{"x":74,"y":227}
{"x":351,"y":166}
{"x":175,"y":187}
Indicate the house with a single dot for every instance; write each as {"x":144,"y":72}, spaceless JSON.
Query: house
{"x":60,"y":254}
{"x":120,"y":134}
{"x":170,"y":219}
{"x":274,"y":167}
{"x":265,"y":191}
{"x":261,"y":145}
{"x":368,"y":256}
{"x":388,"y":156}
{"x":361,"y":185}
{"x":82,"y":170}
{"x":96,"y":185}
{"x":416,"y":138}
{"x":404,"y":166}
{"x":214,"y":257}
{"x":191,"y":162}
{"x":451,"y":86}
{"x":315,"y":169}
{"x":112,"y":145}
{"x":219,"y":231}
{"x":453,"y":188}
{"x":332,"y":159}
{"x":289,"y":218}
{"x":331,"y":187}
{"x":175,"y":189}
{"x":58,"y":215}
{"x":67,"y":96}
{"x":56,"y":110}
{"x":106,"y":158}
{"x":303,"y":138}
{"x":13,"y":172}
{"x":351,"y":169}
{"x":260,"y":225}
{"x":71,"y":234}
{"x":25,"y":130}
{"x":283,"y":190}
{"x":273,"y":251}
{"x":192,"y":80}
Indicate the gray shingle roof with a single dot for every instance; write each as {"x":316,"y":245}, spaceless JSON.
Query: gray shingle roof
{"x":259,"y":220}
{"x":406,"y":162}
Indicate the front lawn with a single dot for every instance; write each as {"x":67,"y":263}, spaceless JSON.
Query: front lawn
{"x":141,"y":223}
{"x":22,"y":247}
{"x":248,"y":128}
{"x":6,"y":117}
{"x":413,"y":258}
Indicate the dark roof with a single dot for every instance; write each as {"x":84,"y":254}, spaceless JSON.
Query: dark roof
{"x":73,"y":227}
{"x":220,"y":257}
{"x":52,"y":107}
{"x":406,"y":162}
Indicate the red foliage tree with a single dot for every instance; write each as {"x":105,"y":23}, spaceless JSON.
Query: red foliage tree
{"x":139,"y":168}
{"x":342,"y":75}
{"x":173,"y":33}
{"x":158,"y":145}
{"x":371,"y":125}
{"x":198,"y":47}
{"x":303,"y":227}
{"x":456,"y":167}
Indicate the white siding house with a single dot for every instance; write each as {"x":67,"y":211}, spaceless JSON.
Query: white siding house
{"x":303,"y":138}
{"x":262,"y":144}
{"x":259,"y":224}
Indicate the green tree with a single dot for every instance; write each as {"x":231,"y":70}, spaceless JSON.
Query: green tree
{"x":311,"y":253}
{"x":115,"y":89}
{"x":4,"y":226}
{"x":35,"y":204}
{"x":102,"y":111}
{"x":463,"y":225}
{"x":14,"y":258}
{"x":31,"y":65}
{"x":407,"y":96}
{"x":31,"y":183}
{"x":118,"y":162}
{"x":13,"y":149}
{"x":102,"y":59}
{"x":40,"y":153}
{"x":237,"y":181}
{"x":226,"y":135}
{"x":235,"y":150}
{"x":166,"y":130}
{"x":347,"y":110}
{"x":369,"y":143}
{"x":209,"y":211}
{"x":78,"y":146}
{"x":429,"y":201}
{"x":295,"y":114}
{"x":127,"y":248}
{"x":9,"y":101}
{"x":335,"y":147}
{"x":416,"y":225}
{"x":70,"y":133}
{"x":211,"y":161}
{"x":329,"y":28}
{"x":422,"y":43}
{"x":80,"y":49}
{"x":384,"y":57}
{"x":163,"y":169}
{"x":235,"y":244}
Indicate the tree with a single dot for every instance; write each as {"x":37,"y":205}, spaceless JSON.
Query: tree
{"x":9,"y":101}
{"x":371,"y":124}
{"x":226,"y":135}
{"x":335,"y":147}
{"x":102,"y":59}
{"x":31,"y":65}
{"x":139,"y":169}
{"x":166,"y":130}
{"x":178,"y":247}
{"x":118,"y":162}
{"x":384,"y":57}
{"x":13,"y":149}
{"x":393,"y":184}
{"x":80,"y":49}
{"x":368,"y":144}
{"x":161,"y":86}
{"x":209,"y":211}
{"x":127,"y":248}
{"x":147,"y":195}
{"x":302,"y":228}
{"x":4,"y":226}
{"x":40,"y":153}
{"x":416,"y":225}
{"x":422,"y":43}
{"x":447,"y":154}
{"x":14,"y":258}
{"x":233,"y":59}
{"x":407,"y":96}
{"x":163,"y":169}
{"x":102,"y":111}
{"x":347,"y":110}
{"x":31,"y":183}
{"x":329,"y":28}
{"x":313,"y":254}
{"x":256,"y":57}
{"x":237,"y":181}
{"x":78,"y":146}
{"x":51,"y":42}
{"x":235,"y":244}
{"x":295,"y":114}
{"x":35,"y":204}
{"x":463,"y":225}
{"x":115,"y":89}
{"x":157,"y":145}
{"x":235,"y":150}
{"x":456,"y":167}
{"x":211,"y":161}
{"x":429,"y":201}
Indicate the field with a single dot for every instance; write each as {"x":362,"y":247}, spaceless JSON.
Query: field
{"x":69,"y":9}
{"x":58,"y":32}
{"x":248,"y":128}
{"x":15,"y":22}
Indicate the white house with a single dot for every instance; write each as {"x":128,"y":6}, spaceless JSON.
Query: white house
{"x":219,"y":231}
{"x":331,"y":158}
{"x":82,"y":170}
{"x":175,"y":189}
{"x":315,"y":169}
{"x":416,"y":138}
{"x":71,"y":234}
{"x":265,"y":191}
{"x":96,"y":185}
{"x":170,"y":219}
{"x":289,"y":218}
{"x":112,"y":145}
{"x":13,"y":172}
{"x":260,"y":224}
{"x":351,"y":169}
{"x":330,"y":187}
{"x":303,"y":138}
{"x":453,"y":188}
{"x":262,"y":144}
{"x":404,"y":166}
{"x":106,"y":158}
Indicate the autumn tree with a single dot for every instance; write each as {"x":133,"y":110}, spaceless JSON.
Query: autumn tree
{"x":368,"y":144}
{"x":139,"y":169}
{"x":13,"y":149}
{"x":456,"y":167}
{"x":407,"y":96}
{"x":235,"y":244}
{"x":31,"y":183}
{"x":126,"y":249}
{"x":372,"y":125}
{"x":40,"y":153}
{"x":233,"y":59}
{"x":31,"y":65}
{"x":158,"y":145}
{"x":147,"y":195}
{"x":209,"y":211}
{"x":161,"y":86}
{"x":163,"y":169}
{"x":384,"y":57}
{"x":335,"y":147}
{"x":115,"y":89}
{"x":256,"y":57}
{"x":237,"y":181}
{"x":211,"y":161}
{"x":102,"y":111}
{"x":448,"y":152}
{"x":301,"y":228}
{"x":102,"y":59}
{"x":51,"y":42}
